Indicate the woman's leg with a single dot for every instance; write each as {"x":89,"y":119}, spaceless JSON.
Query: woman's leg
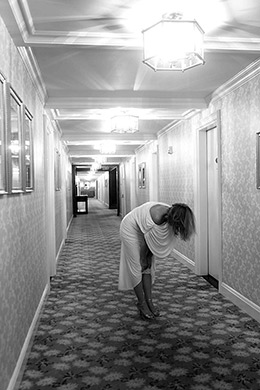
{"x":142,"y":303}
{"x":147,"y":284}
{"x":147,"y":288}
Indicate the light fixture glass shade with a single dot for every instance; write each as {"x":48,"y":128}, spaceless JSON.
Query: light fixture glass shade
{"x":95,"y":166}
{"x":107,"y":148}
{"x":173,"y":44}
{"x":124,"y":123}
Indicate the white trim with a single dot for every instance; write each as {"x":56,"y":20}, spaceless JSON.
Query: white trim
{"x":34,"y":72}
{"x":184,"y":260}
{"x":200,"y":196}
{"x":200,"y":200}
{"x":21,"y":358}
{"x":24,"y":20}
{"x":71,"y":219}
{"x":239,"y":300}
{"x":235,"y":82}
{"x":60,"y":249}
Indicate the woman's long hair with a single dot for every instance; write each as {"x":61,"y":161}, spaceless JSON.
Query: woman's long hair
{"x":182,"y":220}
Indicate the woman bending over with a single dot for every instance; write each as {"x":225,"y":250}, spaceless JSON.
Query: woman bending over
{"x":150,"y":231}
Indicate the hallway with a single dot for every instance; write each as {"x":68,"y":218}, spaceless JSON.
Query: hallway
{"x":89,"y":335}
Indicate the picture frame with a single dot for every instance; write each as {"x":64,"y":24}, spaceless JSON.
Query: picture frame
{"x":3,"y":188}
{"x":142,"y":175}
{"x":28,"y":150}
{"x":258,"y":160}
{"x":14,"y":141}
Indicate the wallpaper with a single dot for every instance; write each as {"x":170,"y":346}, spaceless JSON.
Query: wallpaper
{"x":240,"y":198}
{"x":176,"y":172}
{"x":23,"y":265}
{"x":23,"y":275}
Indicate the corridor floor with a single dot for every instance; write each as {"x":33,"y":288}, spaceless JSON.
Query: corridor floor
{"x":89,"y":335}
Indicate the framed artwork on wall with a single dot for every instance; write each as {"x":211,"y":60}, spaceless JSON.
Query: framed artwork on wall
{"x":28,"y":150}
{"x":258,"y":161}
{"x":141,"y":175}
{"x":15,"y":142}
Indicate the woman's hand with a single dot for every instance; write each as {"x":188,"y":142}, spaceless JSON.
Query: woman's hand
{"x":145,"y":257}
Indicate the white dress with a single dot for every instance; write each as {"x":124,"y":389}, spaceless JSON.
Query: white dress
{"x":136,"y":227}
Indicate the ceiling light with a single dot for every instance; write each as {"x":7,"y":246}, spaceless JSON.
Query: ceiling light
{"x":95,"y":166}
{"x":124,"y":123}
{"x":173,"y":44}
{"x":107,"y":148}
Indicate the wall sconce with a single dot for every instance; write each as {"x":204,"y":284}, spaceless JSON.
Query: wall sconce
{"x":170,"y":150}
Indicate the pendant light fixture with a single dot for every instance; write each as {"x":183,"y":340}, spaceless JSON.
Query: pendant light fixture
{"x":124,"y":123}
{"x":173,"y":44}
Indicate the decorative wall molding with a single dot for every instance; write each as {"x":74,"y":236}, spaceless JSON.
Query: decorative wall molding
{"x":239,"y":300}
{"x":61,"y":247}
{"x":235,"y":82}
{"x":17,"y":370}
{"x":34,"y":72}
{"x":31,"y":35}
{"x":48,"y":124}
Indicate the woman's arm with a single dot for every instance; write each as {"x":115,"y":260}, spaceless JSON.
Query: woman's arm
{"x":145,"y":256}
{"x":158,"y":213}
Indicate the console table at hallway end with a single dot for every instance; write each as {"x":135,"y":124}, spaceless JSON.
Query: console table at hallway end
{"x":82,"y":199}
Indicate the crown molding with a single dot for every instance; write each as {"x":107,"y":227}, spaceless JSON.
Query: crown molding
{"x":34,"y":72}
{"x":236,"y":44}
{"x":108,"y":99}
{"x":235,"y":82}
{"x":31,"y":36}
{"x":93,"y":137}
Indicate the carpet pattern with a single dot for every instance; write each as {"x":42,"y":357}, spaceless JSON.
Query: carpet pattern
{"x":89,"y":335}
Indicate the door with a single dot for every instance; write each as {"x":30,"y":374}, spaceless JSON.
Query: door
{"x":212,"y":204}
{"x":113,"y":188}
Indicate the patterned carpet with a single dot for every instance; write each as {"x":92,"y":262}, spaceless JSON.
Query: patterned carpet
{"x":90,"y":336}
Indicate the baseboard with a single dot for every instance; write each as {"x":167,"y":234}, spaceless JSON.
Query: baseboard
{"x":71,"y":219}
{"x":21,"y":358}
{"x":239,"y":300}
{"x":184,"y":260}
{"x":60,"y":249}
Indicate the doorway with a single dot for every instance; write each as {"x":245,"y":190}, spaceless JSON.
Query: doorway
{"x":81,"y":194}
{"x":113,"y":189}
{"x":212,"y":203}
{"x":208,"y":203}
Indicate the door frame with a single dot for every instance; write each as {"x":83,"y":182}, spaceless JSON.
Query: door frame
{"x":133,"y":183}
{"x":154,"y":177}
{"x":50,"y":198}
{"x":200,"y":197}
{"x":123,"y":190}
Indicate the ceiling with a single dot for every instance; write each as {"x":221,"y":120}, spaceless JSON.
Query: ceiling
{"x":86,"y":58}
